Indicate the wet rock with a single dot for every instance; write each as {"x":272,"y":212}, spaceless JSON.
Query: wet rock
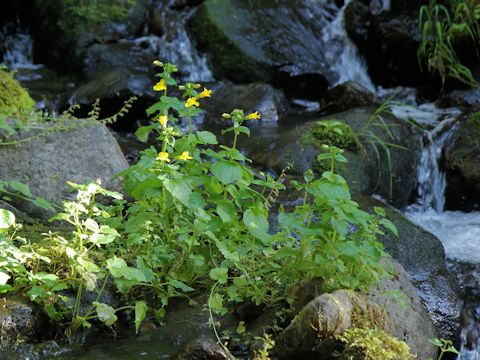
{"x":20,"y":321}
{"x":423,"y":257}
{"x":75,"y":150}
{"x":365,"y":173}
{"x":463,"y":164}
{"x":268,"y":41}
{"x":314,"y":331}
{"x":203,"y":349}
{"x":65,"y":30}
{"x":463,"y":98}
{"x":357,"y":17}
{"x":346,"y":96}
{"x":268,"y":101}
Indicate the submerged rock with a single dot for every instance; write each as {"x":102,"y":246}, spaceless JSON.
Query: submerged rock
{"x":203,"y":349}
{"x":368,"y":171}
{"x":75,"y":150}
{"x":423,"y":257}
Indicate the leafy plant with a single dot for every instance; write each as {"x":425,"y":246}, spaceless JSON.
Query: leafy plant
{"x":445,"y":346}
{"x":440,"y":27}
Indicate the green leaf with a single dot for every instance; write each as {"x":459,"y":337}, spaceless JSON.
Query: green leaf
{"x":7,"y":219}
{"x":226,"y":211}
{"x":390,"y":226}
{"x":140,"y":313}
{"x":206,"y":137}
{"x":105,"y":313}
{"x":4,"y":278}
{"x":180,"y":285}
{"x":119,"y":269}
{"x":143,"y":132}
{"x":21,"y":188}
{"x":219,"y":274}
{"x":43,"y":204}
{"x":226,"y":171}
{"x":256,"y":223}
{"x":180,"y":189}
{"x":216,"y":303}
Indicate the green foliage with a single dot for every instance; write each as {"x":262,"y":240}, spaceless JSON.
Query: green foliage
{"x":474,"y":120}
{"x":373,"y":344}
{"x":441,"y":26}
{"x":15,"y":102}
{"x":18,"y":190}
{"x":445,"y":346}
{"x":199,"y":221}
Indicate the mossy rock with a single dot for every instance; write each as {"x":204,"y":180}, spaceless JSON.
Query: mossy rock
{"x":332,"y":132}
{"x":15,"y":102}
{"x":63,"y":29}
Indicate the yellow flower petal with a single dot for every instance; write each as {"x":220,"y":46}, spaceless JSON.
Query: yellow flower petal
{"x":192,"y":101}
{"x":161,"y":85}
{"x":205,"y":93}
{"x":185,"y":156}
{"x":253,"y":116}
{"x":163,"y":119}
{"x":163,"y":156}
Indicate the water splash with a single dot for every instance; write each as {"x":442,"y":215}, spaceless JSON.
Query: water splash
{"x":18,"y":50}
{"x":343,"y":55}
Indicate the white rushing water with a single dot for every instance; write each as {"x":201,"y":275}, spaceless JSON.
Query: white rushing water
{"x":346,"y":61}
{"x":19,"y":50}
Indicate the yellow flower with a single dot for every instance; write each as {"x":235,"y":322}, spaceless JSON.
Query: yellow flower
{"x":160,"y":85}
{"x":205,"y":93}
{"x":185,"y":156}
{"x":157,"y":63}
{"x":192,"y":101}
{"x":163,"y":156}
{"x":252,"y":116}
{"x":163,"y":119}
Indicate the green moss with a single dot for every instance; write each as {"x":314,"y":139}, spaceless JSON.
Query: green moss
{"x":474,"y":120}
{"x":79,"y":16}
{"x":15,"y":102}
{"x":373,"y":344}
{"x":331,"y":132}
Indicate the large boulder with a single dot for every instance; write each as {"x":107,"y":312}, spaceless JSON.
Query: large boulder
{"x":282,"y":43}
{"x":314,"y":332}
{"x":423,"y":257}
{"x":67,"y":150}
{"x":346,"y":96}
{"x":368,"y":171}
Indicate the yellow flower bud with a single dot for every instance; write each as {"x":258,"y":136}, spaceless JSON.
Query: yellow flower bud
{"x":157,"y":63}
{"x":163,"y":119}
{"x":197,"y":86}
{"x":226,"y":116}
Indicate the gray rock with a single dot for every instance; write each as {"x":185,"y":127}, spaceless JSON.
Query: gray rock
{"x":464,"y":98}
{"x":367,"y":174}
{"x":20,"y":322}
{"x":314,"y":331}
{"x":203,"y":349}
{"x":268,"y":101}
{"x":346,"y":96}
{"x":423,"y":257}
{"x":80,"y":151}
{"x":269,"y":41}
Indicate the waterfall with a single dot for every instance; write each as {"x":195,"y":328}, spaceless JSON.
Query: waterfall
{"x":18,"y":50}
{"x":346,"y":60}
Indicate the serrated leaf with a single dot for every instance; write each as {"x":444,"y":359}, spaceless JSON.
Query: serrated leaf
{"x":105,"y":313}
{"x":226,"y":211}
{"x":219,"y":274}
{"x":206,"y":137}
{"x":180,"y":189}
{"x":180,"y":285}
{"x":226,"y":171}
{"x":21,"y":188}
{"x":7,"y":219}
